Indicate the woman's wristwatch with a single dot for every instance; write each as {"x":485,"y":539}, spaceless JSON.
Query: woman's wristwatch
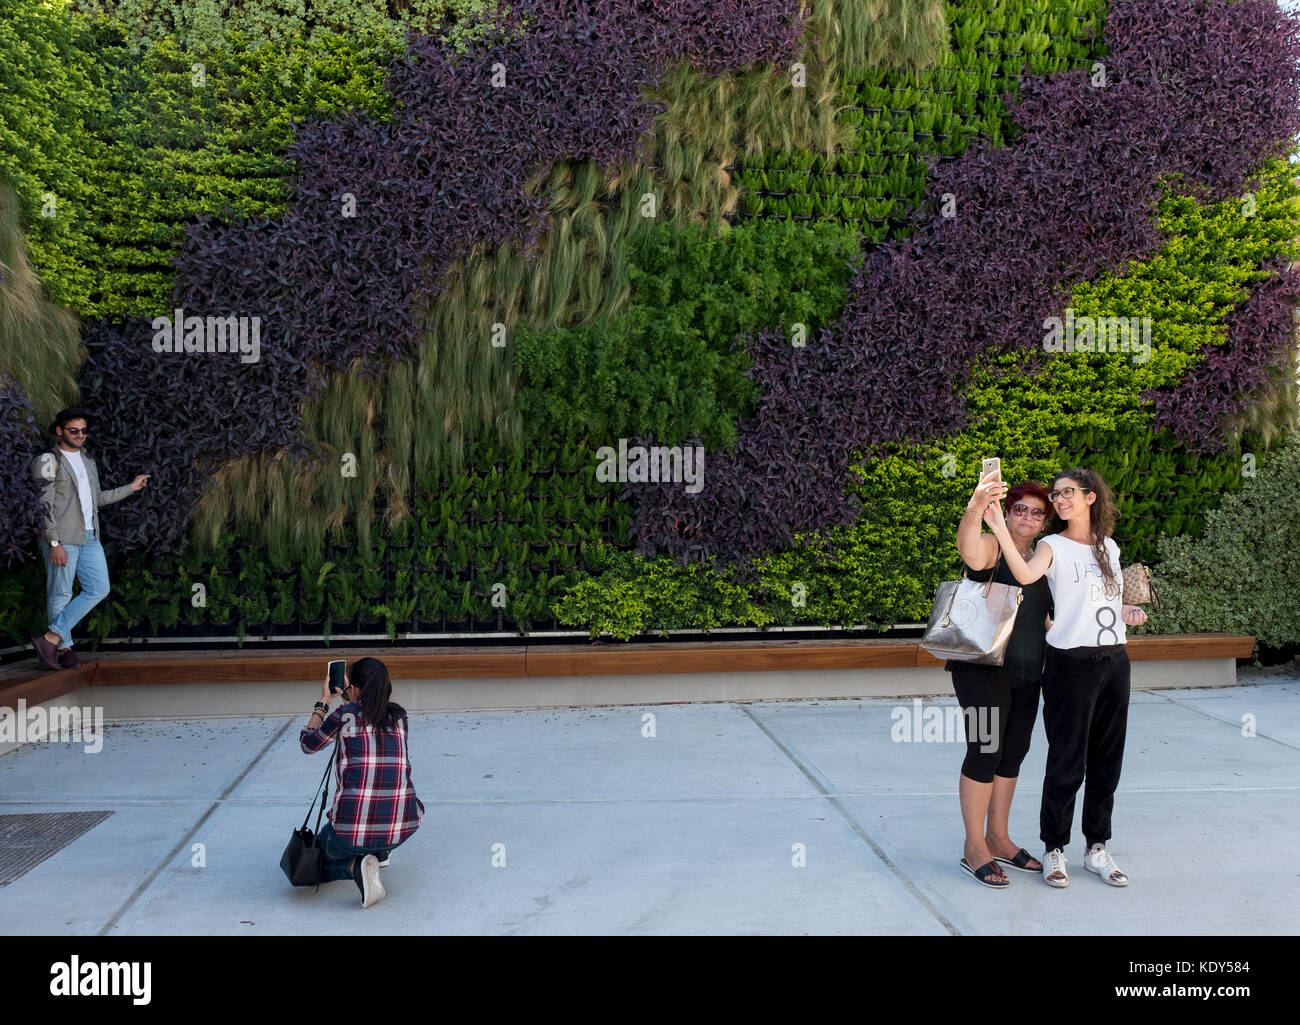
{"x":322,"y":707}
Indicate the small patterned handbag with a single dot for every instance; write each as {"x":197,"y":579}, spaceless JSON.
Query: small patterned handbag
{"x":1137,"y":586}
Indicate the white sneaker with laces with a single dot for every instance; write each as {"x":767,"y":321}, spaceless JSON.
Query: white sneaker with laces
{"x":372,"y":890}
{"x":1098,"y":860}
{"x":1054,"y":873}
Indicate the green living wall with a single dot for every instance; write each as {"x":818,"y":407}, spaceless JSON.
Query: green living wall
{"x":474,"y":505}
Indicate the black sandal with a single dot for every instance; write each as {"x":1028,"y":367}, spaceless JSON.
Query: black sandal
{"x":983,"y":874}
{"x":1022,"y":858}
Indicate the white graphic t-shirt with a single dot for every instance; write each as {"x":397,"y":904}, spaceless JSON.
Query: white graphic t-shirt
{"x":83,"y":487}
{"x":1087,"y":613}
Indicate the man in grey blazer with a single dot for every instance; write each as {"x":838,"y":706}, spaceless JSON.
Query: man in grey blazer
{"x":70,"y":485}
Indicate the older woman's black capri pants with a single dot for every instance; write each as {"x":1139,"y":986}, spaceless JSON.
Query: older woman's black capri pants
{"x":1002,"y":706}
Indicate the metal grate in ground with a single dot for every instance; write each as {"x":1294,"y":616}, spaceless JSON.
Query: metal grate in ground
{"x":27,"y":840}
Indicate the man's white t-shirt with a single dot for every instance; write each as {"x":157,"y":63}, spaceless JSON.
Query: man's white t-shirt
{"x":1087,"y":614}
{"x":83,"y":487}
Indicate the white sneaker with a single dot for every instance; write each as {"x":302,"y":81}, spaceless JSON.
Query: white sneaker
{"x":1098,"y":860}
{"x":372,"y":890}
{"x":1054,"y":873}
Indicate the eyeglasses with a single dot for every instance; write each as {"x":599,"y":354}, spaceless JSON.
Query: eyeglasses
{"x":76,"y":430}
{"x":1020,"y":509}
{"x":1052,"y":496}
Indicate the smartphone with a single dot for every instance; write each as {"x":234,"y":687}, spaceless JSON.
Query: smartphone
{"x":336,"y":675}
{"x":992,"y":464}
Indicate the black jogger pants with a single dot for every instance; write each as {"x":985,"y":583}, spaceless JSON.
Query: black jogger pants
{"x":1085,"y":715}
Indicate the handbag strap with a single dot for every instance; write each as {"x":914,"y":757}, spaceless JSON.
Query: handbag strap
{"x":992,"y":573}
{"x":952,"y":598}
{"x":323,"y":783}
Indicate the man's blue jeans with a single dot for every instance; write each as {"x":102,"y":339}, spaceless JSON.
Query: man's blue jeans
{"x":87,"y":565}
{"x":338,"y":856}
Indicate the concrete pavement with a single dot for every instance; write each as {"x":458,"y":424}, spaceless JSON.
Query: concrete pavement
{"x":772,"y":817}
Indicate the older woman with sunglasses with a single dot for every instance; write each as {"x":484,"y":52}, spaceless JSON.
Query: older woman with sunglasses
{"x":1086,"y":678}
{"x":1004,"y":697}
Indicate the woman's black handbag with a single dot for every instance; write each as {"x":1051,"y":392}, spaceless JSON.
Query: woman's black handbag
{"x":302,"y":860}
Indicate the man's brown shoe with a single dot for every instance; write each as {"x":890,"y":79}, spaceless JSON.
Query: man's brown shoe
{"x":47,"y":652}
{"x":68,"y":659}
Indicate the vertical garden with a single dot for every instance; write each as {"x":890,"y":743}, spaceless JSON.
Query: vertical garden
{"x":818,"y":242}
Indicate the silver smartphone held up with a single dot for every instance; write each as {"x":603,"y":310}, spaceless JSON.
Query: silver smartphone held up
{"x":991,"y":464}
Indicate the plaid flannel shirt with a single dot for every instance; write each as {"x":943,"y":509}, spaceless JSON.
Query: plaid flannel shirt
{"x":374,"y":800}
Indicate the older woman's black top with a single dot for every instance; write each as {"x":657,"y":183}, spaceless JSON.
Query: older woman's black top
{"x":1024,"y":658}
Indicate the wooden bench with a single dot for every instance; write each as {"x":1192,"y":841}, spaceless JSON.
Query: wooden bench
{"x":31,"y":682}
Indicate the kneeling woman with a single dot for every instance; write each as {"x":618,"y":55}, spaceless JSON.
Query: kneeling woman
{"x":1086,"y":678}
{"x":375,"y":807}
{"x":1005,"y":697}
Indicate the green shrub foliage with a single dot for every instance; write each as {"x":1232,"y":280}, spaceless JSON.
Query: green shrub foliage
{"x":486,"y":550}
{"x":113,"y":153}
{"x":1242,"y":575}
{"x":1040,"y":414}
{"x":203,"y":25}
{"x":673,"y":365}
{"x":905,"y":120}
{"x":40,"y":346}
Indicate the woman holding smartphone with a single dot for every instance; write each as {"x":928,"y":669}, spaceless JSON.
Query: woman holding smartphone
{"x":1004,"y":697}
{"x":375,"y":806}
{"x":1086,"y":677}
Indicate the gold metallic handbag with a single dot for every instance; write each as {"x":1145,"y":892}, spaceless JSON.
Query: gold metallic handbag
{"x":972,"y":621}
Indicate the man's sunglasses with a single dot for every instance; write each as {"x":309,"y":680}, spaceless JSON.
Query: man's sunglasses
{"x":76,"y":430}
